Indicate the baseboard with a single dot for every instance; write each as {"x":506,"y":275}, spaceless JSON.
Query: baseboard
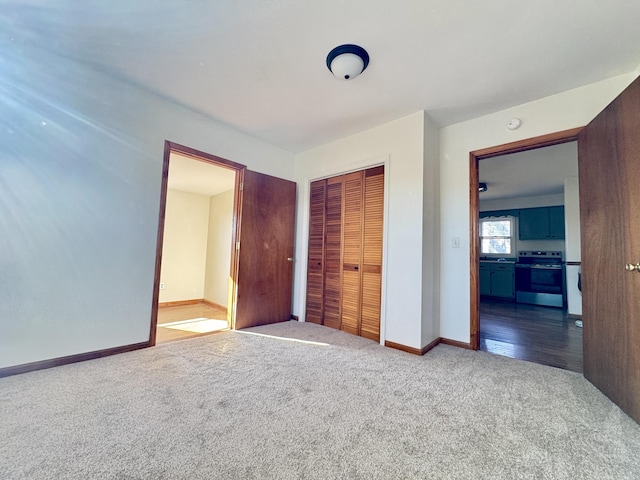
{"x":180,"y":303}
{"x":574,"y":316}
{"x":414,"y":351}
{"x":81,"y":357}
{"x":404,"y":348}
{"x":429,"y":346}
{"x":214,"y":304}
{"x":195,"y":301}
{"x":295,"y":317}
{"x":455,"y":343}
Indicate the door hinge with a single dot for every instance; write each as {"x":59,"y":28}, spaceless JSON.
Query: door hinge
{"x":241,"y":186}
{"x":237,"y":245}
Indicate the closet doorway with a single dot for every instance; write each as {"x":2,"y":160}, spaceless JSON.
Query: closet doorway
{"x":344,"y":269}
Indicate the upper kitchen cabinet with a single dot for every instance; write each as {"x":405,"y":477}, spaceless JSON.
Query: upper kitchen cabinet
{"x":556,"y":222}
{"x":541,"y":223}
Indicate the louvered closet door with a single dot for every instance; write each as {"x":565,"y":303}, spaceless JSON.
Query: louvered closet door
{"x":333,"y":252}
{"x":344,"y":272}
{"x":315,"y":266}
{"x":352,"y":252}
{"x":372,"y":253}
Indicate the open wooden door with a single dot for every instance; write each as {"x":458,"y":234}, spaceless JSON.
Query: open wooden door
{"x":264,"y":258}
{"x":609,"y":174}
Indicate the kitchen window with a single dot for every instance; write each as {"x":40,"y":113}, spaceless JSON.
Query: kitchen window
{"x":497,"y":236}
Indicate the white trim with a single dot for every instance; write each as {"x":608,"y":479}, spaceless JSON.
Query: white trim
{"x":321,"y":174}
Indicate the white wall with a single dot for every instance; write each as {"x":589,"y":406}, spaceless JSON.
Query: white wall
{"x":184,"y":246}
{"x":218,"y":265}
{"x":400,"y":146}
{"x":80,"y":171}
{"x":572,"y":231}
{"x":431,"y":234}
{"x":566,"y":110}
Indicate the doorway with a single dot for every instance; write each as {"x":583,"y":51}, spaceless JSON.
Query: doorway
{"x":529,"y":229}
{"x":499,"y":324}
{"x":195,"y":258}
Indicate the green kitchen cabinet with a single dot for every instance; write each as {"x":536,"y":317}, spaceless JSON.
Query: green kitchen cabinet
{"x":502,"y":280}
{"x":556,"y":222}
{"x":497,"y":279}
{"x":541,"y":223}
{"x":485,"y":278}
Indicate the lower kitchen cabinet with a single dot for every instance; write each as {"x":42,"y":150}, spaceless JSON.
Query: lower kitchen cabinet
{"x":485,"y":278}
{"x":497,"y":279}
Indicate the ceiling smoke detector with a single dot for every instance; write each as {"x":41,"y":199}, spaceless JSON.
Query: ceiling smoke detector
{"x":514,"y":124}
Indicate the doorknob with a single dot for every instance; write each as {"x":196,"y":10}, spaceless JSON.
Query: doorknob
{"x":290,"y":259}
{"x":631,"y":267}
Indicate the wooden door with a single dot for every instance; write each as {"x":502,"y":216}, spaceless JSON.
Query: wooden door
{"x":372,"y":252}
{"x":315,"y":264}
{"x":352,"y":253}
{"x":609,"y":174}
{"x":265,"y":254}
{"x":331,"y":306}
{"x":350,"y":259}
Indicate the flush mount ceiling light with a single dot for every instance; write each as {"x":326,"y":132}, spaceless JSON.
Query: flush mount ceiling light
{"x":482,"y":187}
{"x":347,"y":61}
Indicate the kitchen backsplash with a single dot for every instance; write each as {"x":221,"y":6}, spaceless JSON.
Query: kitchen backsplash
{"x":543,"y":245}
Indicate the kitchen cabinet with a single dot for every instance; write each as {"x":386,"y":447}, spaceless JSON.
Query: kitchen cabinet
{"x":485,"y":278}
{"x":556,"y":222}
{"x":497,"y":279}
{"x":541,"y":223}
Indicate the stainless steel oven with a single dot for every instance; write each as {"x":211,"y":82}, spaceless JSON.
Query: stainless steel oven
{"x":540,"y":278}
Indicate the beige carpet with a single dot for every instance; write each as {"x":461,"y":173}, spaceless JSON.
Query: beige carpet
{"x":301,"y":401}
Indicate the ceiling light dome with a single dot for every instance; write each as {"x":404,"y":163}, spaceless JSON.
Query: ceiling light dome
{"x":347,"y":61}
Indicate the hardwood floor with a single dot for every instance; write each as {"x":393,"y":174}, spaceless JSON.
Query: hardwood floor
{"x":542,"y":335}
{"x":188,"y":321}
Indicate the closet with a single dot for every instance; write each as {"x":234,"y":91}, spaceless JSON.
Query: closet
{"x":344,"y":270}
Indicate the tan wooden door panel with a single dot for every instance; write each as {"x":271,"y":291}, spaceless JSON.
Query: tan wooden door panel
{"x":372,"y":252}
{"x":265,"y":257}
{"x":371,"y":293}
{"x":315,"y":264}
{"x":609,"y":178}
{"x":333,"y":254}
{"x":352,"y":253}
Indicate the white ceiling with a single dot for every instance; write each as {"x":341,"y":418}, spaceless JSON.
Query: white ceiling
{"x":529,"y":174}
{"x":195,"y":176}
{"x":259,"y":65}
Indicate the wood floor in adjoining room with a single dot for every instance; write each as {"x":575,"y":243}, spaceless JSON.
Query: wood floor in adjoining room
{"x":544,"y":335}
{"x":188,"y":321}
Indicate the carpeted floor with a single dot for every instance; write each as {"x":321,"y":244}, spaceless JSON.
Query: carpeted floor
{"x":256,"y":404}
